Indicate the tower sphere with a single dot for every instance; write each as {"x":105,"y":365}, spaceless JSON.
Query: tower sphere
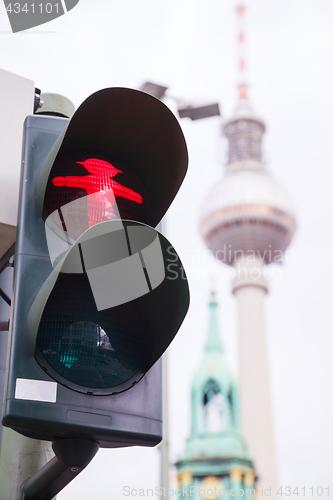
{"x":247,"y":212}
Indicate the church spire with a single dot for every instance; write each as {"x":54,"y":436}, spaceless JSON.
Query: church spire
{"x":213,"y":342}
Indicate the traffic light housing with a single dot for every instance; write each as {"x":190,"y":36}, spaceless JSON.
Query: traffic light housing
{"x":98,"y":293}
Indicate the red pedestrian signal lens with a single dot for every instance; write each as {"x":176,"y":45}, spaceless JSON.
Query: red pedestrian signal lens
{"x":84,"y":190}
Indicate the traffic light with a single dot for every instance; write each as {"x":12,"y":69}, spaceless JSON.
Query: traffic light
{"x":99,"y":294}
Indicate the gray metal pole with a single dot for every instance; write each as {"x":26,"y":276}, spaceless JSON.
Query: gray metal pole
{"x":164,"y":446}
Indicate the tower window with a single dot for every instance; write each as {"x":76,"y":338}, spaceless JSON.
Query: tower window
{"x":213,"y":407}
{"x":231,"y":408}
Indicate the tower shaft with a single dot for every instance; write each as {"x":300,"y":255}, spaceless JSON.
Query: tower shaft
{"x":250,"y":287}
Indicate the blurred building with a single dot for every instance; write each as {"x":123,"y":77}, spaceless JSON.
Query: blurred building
{"x":247,"y":221}
{"x":216,"y":463}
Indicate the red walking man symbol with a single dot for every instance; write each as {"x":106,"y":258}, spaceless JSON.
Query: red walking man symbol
{"x":100,"y":181}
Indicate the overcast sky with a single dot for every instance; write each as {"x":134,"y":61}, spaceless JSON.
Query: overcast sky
{"x":191,"y":46}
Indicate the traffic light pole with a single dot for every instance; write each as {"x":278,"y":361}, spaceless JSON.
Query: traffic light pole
{"x":164,"y":446}
{"x":71,"y":457}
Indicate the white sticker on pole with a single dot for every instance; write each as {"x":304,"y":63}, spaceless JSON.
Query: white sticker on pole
{"x":36,"y":390}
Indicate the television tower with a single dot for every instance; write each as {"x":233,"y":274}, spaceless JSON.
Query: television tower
{"x":247,"y":221}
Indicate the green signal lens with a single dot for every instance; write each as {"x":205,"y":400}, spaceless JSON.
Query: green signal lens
{"x":86,"y":347}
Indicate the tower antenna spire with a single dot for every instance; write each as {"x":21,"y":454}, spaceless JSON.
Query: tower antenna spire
{"x":242,"y":85}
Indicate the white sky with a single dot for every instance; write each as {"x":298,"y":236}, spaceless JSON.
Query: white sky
{"x":190,"y":45}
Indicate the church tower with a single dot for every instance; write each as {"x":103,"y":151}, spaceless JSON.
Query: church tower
{"x":216,"y":463}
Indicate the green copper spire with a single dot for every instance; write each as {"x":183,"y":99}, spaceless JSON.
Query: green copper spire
{"x":213,"y":343}
{"x":214,"y":391}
